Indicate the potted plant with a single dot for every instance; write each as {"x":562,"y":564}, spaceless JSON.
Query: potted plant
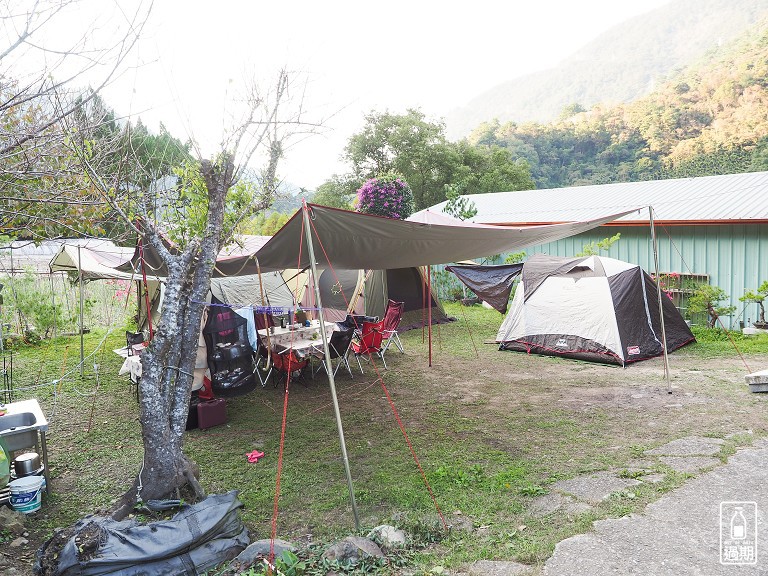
{"x":758,"y":296}
{"x":707,"y":299}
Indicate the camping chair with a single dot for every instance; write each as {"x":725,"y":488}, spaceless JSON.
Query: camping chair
{"x":261,"y":355}
{"x":286,"y":363}
{"x":368,"y":342}
{"x":134,"y":342}
{"x":392,"y":317}
{"x":338,"y":348}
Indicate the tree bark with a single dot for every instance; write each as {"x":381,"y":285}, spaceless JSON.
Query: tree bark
{"x":169,"y":361}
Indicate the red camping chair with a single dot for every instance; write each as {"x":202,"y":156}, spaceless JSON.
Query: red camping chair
{"x":369,"y":342}
{"x":392,"y":317}
{"x":287,"y":363}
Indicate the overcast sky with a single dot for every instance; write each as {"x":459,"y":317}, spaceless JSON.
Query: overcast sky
{"x":358,"y":56}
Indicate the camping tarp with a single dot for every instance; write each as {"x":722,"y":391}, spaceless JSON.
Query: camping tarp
{"x":492,"y":284}
{"x":350,"y":240}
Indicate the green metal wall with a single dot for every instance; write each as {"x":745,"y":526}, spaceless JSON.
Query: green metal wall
{"x":734,"y":256}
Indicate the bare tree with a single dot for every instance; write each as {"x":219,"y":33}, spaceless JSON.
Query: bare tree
{"x":212,"y":198}
{"x":44,"y":72}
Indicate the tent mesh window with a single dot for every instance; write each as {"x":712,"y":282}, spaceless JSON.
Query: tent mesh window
{"x":230,"y":356}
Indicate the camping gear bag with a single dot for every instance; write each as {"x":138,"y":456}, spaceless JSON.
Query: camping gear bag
{"x":197,"y":539}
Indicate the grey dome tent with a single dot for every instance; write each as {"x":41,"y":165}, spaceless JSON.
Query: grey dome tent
{"x":593,"y":308}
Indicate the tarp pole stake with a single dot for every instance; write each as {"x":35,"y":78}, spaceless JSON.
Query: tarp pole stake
{"x":328,"y":365}
{"x":661,"y":309}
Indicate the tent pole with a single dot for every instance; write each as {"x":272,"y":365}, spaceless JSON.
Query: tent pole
{"x":658,"y":294}
{"x":328,"y":365}
{"x":429,"y":311}
{"x":80,"y":282}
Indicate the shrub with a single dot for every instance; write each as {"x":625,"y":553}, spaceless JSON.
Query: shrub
{"x":388,"y":195}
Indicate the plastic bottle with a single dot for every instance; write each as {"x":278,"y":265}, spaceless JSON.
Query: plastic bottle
{"x":738,"y":525}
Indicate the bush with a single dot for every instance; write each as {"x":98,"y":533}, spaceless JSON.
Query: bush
{"x":388,"y":195}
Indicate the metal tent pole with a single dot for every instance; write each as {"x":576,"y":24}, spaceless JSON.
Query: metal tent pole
{"x":328,"y":365}
{"x":80,"y":281}
{"x":661,"y":309}
{"x":429,"y":311}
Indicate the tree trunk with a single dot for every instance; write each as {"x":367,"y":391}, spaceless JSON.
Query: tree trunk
{"x":168,"y":363}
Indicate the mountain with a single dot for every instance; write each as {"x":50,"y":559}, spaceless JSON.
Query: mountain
{"x":710,"y":118}
{"x":621,"y":65}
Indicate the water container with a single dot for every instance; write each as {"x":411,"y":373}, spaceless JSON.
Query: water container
{"x":26,"y":494}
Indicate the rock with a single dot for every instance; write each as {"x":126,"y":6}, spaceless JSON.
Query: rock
{"x":594,"y":488}
{"x":498,"y":568}
{"x":690,"y":446}
{"x":544,"y":505}
{"x":12,"y":521}
{"x":577,"y":508}
{"x":18,"y":542}
{"x":388,"y":537}
{"x":260,"y":549}
{"x":461,"y":524}
{"x":690,"y":464}
{"x":352,"y":549}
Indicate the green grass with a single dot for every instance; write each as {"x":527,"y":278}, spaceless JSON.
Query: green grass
{"x":492,"y":430}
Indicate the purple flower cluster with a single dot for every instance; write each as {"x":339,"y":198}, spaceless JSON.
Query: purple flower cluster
{"x":385,"y":196}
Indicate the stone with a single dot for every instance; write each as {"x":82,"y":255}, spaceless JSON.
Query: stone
{"x":388,"y":537}
{"x":548,"y":503}
{"x":577,"y":508}
{"x":352,"y":549}
{"x":690,"y":446}
{"x":594,"y":488}
{"x":260,"y":549}
{"x":760,"y":377}
{"x":689,"y":464}
{"x":18,"y":542}
{"x":12,"y":521}
{"x":498,"y":568}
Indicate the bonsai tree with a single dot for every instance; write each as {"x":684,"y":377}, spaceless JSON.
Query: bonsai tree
{"x":707,"y":298}
{"x":758,"y":296}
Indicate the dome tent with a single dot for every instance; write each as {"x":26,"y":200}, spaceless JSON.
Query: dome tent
{"x":592,"y":308}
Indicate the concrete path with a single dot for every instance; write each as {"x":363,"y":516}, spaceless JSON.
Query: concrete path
{"x":682,"y":533}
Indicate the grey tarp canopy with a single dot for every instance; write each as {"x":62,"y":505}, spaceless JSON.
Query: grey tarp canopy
{"x":350,"y":240}
{"x":492,"y":284}
{"x":94,"y":262}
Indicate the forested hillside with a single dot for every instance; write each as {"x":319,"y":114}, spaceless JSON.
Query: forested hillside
{"x":712,"y":118}
{"x":623,"y":64}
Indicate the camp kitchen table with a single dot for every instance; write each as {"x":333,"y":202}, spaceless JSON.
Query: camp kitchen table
{"x":300,"y":339}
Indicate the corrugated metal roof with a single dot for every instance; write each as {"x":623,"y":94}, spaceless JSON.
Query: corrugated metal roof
{"x":731,"y":197}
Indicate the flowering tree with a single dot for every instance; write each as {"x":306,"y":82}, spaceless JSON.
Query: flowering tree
{"x":388,"y":195}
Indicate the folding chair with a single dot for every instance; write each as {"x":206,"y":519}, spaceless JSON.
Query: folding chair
{"x":391,"y":321}
{"x":369,"y":342}
{"x":263,"y":360}
{"x":338,"y":348}
{"x":134,"y":342}
{"x":287,"y":363}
